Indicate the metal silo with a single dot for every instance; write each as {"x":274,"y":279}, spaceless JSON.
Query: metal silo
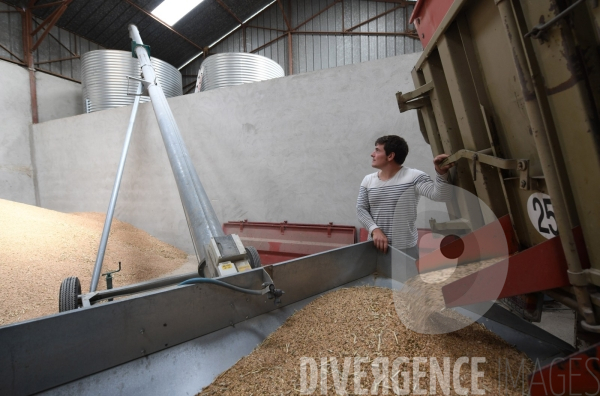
{"x":105,"y":84}
{"x":235,"y":68}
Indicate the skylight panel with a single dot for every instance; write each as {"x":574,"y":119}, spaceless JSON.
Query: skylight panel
{"x":170,"y":11}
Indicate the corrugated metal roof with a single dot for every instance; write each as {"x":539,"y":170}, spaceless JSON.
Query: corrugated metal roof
{"x":105,"y":23}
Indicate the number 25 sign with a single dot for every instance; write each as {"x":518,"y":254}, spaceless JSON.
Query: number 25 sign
{"x":541,"y":214}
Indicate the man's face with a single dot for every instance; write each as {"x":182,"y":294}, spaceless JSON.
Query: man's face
{"x":380,"y":159}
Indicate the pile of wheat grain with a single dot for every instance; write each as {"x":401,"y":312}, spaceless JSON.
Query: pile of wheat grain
{"x":420,"y":302}
{"x":362,"y":322}
{"x":39,"y":248}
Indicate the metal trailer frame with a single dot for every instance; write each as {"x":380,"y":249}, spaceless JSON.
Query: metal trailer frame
{"x":520,"y":101}
{"x":513,"y":86}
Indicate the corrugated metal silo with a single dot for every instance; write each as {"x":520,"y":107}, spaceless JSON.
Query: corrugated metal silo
{"x":105,"y":84}
{"x":235,"y":68}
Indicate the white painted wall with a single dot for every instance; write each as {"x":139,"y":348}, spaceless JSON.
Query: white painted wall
{"x":57,"y":98}
{"x":294,"y":148}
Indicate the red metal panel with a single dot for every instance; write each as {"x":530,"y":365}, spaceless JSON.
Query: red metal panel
{"x":427,"y":16}
{"x":277,"y":242}
{"x":577,"y":374}
{"x":364,"y":235}
{"x":541,"y":267}
{"x":484,"y":243}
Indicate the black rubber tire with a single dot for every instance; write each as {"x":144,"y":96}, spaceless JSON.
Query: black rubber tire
{"x":201,"y":269}
{"x":253,"y":257}
{"x":68,"y":298}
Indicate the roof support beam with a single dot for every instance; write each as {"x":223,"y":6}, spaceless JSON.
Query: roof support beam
{"x":59,"y":11}
{"x":318,"y":13}
{"x":375,"y":17}
{"x":12,"y":61}
{"x":46,"y":5}
{"x":285,"y":18}
{"x":58,"y":60}
{"x":403,"y":2}
{"x":266,"y":28}
{"x":226,"y":8}
{"x":407,"y":34}
{"x":50,"y":22}
{"x":62,"y":45}
{"x":27,"y":17}
{"x":29,"y":46}
{"x":9,"y":51}
{"x":269,"y":43}
{"x":189,"y":87}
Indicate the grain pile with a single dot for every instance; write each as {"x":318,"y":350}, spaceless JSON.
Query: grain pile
{"x":420,"y":303}
{"x":39,"y":248}
{"x":362,"y":322}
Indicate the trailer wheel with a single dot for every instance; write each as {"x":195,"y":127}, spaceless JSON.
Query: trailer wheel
{"x":68,"y":299}
{"x":202,"y":268}
{"x":253,"y":257}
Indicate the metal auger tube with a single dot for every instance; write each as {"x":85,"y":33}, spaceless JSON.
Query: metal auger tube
{"x":200,"y":216}
{"x":115,"y":192}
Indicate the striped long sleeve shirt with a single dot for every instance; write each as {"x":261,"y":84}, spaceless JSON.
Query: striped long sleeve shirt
{"x":391,"y":205}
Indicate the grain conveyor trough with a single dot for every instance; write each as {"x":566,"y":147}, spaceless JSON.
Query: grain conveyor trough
{"x":176,"y":338}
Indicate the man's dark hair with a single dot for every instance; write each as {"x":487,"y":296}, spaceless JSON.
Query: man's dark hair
{"x":394,"y":144}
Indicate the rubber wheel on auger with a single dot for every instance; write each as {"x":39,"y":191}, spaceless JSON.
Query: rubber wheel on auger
{"x":68,"y":299}
{"x":201,"y":269}
{"x":253,"y":257}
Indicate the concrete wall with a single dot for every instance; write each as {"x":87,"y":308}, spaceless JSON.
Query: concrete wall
{"x":57,"y":98}
{"x":16,"y":173}
{"x":263,"y":151}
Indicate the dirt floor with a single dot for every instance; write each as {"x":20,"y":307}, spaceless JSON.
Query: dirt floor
{"x":39,"y":248}
{"x":363,"y":322}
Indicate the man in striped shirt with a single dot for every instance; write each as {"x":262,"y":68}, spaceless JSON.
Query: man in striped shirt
{"x":387,"y":200}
